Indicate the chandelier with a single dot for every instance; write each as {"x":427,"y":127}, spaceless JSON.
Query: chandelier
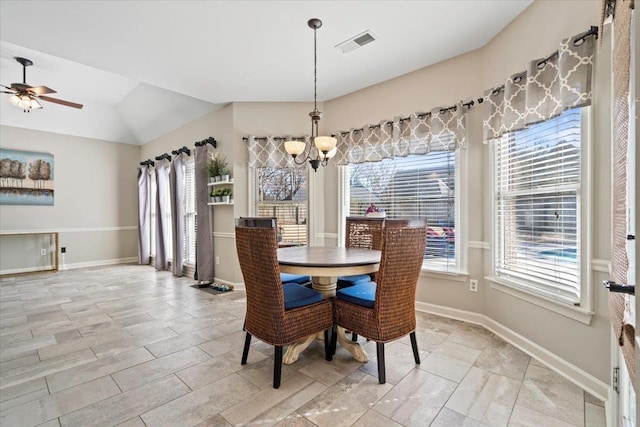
{"x":326,"y":145}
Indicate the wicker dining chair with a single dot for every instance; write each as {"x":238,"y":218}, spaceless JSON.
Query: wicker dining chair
{"x":361,"y":232}
{"x":276,"y":314}
{"x":259,"y":221}
{"x":384,"y":310}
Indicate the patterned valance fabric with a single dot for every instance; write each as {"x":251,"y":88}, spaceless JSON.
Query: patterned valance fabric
{"x":440,"y":129}
{"x":549,"y":87}
{"x":269,"y":152}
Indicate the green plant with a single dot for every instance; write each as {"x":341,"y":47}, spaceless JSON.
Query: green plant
{"x":226,"y":192}
{"x":223,"y":166}
{"x":212,"y":165}
{"x":217,"y":192}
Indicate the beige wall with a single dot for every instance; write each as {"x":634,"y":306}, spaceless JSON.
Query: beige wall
{"x":535,"y":33}
{"x":95,"y":206}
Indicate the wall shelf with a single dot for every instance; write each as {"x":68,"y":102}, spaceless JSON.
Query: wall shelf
{"x":213,"y":184}
{"x":220,"y":203}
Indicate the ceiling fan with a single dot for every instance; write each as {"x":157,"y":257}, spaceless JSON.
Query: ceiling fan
{"x":26,"y":97}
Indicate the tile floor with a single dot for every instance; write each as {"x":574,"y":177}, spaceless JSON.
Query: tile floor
{"x":129,"y":346}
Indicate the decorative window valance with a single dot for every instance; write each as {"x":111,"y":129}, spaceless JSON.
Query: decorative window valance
{"x":550,"y":86}
{"x":441,"y":129}
{"x":269,"y":152}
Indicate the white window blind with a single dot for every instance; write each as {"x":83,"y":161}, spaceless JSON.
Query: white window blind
{"x":190,"y":213}
{"x":537,"y":207}
{"x":282,"y":193}
{"x":420,"y":187}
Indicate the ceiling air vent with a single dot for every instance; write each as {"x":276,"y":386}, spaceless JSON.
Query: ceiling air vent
{"x":355,"y":42}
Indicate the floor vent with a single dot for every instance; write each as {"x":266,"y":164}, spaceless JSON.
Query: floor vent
{"x":355,"y":42}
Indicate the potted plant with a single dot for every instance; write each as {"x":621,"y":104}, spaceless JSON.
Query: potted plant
{"x":223,"y":169}
{"x":225,"y":193}
{"x":212,"y":167}
{"x":212,"y":196}
{"x":217,"y":195}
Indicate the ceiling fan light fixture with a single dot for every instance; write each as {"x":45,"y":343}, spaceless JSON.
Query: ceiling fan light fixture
{"x":15,"y":100}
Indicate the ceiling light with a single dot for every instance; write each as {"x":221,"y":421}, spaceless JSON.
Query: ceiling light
{"x":324,"y":144}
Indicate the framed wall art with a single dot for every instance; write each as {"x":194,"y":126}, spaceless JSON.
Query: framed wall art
{"x":26,"y":178}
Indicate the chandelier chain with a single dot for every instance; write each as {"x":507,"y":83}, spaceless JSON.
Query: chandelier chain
{"x":315,"y":70}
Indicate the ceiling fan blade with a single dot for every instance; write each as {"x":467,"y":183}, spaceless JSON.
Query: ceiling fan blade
{"x":9,"y":87}
{"x":60,"y":101}
{"x":10,"y":93}
{"x":41,"y":90}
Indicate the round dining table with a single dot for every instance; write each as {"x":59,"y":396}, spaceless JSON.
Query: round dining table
{"x":325,"y":264}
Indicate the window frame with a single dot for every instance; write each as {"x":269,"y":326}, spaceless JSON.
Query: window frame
{"x":461,"y":217}
{"x":584,"y":311}
{"x":311,"y":187}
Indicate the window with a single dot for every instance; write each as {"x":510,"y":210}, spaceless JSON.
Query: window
{"x":282,"y":193}
{"x":190,"y":214}
{"x":538,"y":208}
{"x":413,"y":187}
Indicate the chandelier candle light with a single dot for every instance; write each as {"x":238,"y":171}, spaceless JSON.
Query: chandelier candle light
{"x":326,"y":145}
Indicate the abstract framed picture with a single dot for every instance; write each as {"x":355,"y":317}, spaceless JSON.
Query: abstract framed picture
{"x":26,"y":178}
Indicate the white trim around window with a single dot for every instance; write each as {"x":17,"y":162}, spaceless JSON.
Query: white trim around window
{"x":584,"y":311}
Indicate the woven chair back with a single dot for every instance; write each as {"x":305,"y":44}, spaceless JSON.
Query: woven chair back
{"x":257,"y":221}
{"x":364,"y":232}
{"x":400,"y":266}
{"x":257,"y":253}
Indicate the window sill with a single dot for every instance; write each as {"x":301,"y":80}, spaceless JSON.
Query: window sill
{"x":442,"y":275}
{"x":575,"y":313}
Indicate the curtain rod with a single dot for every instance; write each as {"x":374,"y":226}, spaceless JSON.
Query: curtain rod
{"x":148,"y":163}
{"x":181,"y":150}
{"x":164,"y":156}
{"x":593,"y":30}
{"x":211,"y":140}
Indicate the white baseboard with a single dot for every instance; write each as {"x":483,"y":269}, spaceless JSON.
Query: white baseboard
{"x":27,"y":270}
{"x":569,"y":371}
{"x":98,"y":263}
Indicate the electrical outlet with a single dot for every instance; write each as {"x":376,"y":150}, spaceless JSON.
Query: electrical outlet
{"x":473,"y":285}
{"x":43,"y":251}
{"x":217,"y":260}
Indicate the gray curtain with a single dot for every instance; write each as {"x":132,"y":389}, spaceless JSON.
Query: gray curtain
{"x":269,"y":152}
{"x":162,"y":225}
{"x":549,"y":86}
{"x":204,"y":239}
{"x":176,"y":186}
{"x":144,"y":211}
{"x":441,"y":129}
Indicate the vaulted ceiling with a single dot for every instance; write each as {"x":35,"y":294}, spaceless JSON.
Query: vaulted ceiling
{"x":144,"y":68}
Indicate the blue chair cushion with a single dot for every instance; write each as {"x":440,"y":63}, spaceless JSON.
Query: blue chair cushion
{"x":294,"y":278}
{"x":299,"y":296}
{"x":344,"y":281}
{"x":363,"y":294}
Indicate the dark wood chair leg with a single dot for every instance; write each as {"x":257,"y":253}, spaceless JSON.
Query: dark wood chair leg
{"x":277,"y":366}
{"x":245,"y":352}
{"x":354,"y":337}
{"x":328,"y":345}
{"x":382,"y":375}
{"x":414,"y":346}
{"x":334,"y":339}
